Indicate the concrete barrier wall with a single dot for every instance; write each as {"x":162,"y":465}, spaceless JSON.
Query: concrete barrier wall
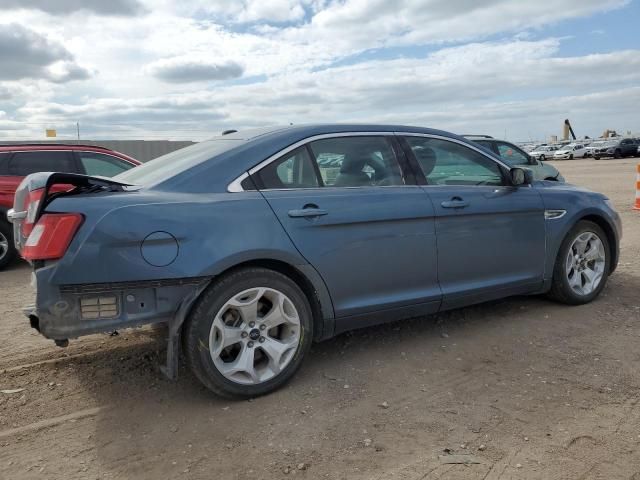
{"x":143,"y":150}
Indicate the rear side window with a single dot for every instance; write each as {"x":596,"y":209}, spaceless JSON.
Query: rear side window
{"x":293,"y":170}
{"x":511,"y":155}
{"x":356,"y":162}
{"x":26,"y":163}
{"x":488,"y":145}
{"x":4,"y":160}
{"x":98,"y":164}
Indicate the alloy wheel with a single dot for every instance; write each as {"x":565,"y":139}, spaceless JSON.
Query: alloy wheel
{"x":585,"y":263}
{"x":4,"y":246}
{"x":254,"y":336}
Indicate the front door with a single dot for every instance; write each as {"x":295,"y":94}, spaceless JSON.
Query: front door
{"x":346,"y":206}
{"x":491,"y":235}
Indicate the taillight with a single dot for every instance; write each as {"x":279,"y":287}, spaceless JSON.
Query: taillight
{"x":31,"y":204}
{"x":51,"y":236}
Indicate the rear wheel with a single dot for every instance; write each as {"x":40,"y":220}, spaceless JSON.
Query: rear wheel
{"x":248,"y":333}
{"x":596,"y":157}
{"x":7,"y":249}
{"x":582,"y":266}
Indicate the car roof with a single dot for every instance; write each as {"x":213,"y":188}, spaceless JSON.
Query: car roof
{"x":12,"y":147}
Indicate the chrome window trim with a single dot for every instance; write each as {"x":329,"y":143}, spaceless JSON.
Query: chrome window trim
{"x":236,"y":187}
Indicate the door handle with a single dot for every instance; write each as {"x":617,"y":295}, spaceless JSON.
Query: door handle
{"x":307,"y":213}
{"x":455,"y":202}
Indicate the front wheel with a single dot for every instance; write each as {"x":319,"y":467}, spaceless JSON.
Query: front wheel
{"x":542,"y":158}
{"x":617,"y":154}
{"x":248,"y":333}
{"x":582,"y":265}
{"x":7,"y":248}
{"x":571,"y":157}
{"x":596,"y":157}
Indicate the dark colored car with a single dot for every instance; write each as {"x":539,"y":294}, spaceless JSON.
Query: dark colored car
{"x":617,"y":148}
{"x":514,"y":156}
{"x":252,"y":245}
{"x":19,"y":160}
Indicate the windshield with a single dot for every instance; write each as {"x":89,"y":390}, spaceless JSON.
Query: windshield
{"x":169,"y":165}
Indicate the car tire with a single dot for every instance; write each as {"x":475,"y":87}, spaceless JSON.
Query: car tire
{"x":571,"y":284}
{"x":617,"y":154}
{"x":571,"y":156}
{"x":7,"y":249}
{"x":232,"y":355}
{"x":542,"y":158}
{"x":596,"y":157}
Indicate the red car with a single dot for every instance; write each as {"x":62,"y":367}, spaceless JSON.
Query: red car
{"x":19,"y":160}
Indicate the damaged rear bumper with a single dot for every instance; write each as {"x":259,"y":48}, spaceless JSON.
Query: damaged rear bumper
{"x":68,"y":311}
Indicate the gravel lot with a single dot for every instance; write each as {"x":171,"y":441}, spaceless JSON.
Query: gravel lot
{"x":524,"y":387}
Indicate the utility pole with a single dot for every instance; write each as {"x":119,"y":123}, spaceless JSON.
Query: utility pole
{"x":78,"y":129}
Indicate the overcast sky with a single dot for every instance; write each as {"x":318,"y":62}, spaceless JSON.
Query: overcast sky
{"x":188,"y":69}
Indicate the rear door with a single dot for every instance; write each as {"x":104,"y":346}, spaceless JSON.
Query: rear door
{"x":491,"y":236}
{"x":350,"y":210}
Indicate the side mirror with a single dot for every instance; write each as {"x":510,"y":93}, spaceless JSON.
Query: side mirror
{"x":521,"y":176}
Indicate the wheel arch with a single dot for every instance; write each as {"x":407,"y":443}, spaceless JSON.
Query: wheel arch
{"x":306,"y":277}
{"x":609,"y":232}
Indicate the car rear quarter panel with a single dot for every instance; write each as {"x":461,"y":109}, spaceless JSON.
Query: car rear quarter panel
{"x":213,"y":232}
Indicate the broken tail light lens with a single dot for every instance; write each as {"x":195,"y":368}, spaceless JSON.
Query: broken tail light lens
{"x":51,"y":236}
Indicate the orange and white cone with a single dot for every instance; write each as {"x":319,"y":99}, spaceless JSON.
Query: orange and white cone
{"x":636,"y":206}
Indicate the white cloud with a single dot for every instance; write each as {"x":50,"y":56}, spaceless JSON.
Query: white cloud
{"x":189,"y":69}
{"x":62,"y":7}
{"x":185,"y":70}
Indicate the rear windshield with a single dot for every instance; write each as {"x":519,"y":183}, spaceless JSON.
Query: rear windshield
{"x":167,"y":166}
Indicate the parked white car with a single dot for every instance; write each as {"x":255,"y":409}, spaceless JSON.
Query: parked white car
{"x":598,"y":144}
{"x":571,"y":151}
{"x":543,"y":152}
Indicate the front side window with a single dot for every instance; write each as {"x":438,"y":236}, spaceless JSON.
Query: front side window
{"x":447,"y":163}
{"x":356,"y":162}
{"x":98,"y":164}
{"x":26,"y":163}
{"x":511,"y":155}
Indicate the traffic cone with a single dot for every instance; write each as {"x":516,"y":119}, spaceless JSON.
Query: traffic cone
{"x":636,"y":206}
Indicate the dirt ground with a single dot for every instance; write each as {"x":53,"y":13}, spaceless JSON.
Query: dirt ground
{"x":524,"y":387}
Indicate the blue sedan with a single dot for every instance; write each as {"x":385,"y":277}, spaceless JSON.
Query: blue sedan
{"x":252,"y":245}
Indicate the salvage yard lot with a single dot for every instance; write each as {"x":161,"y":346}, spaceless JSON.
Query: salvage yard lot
{"x":524,"y":387}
